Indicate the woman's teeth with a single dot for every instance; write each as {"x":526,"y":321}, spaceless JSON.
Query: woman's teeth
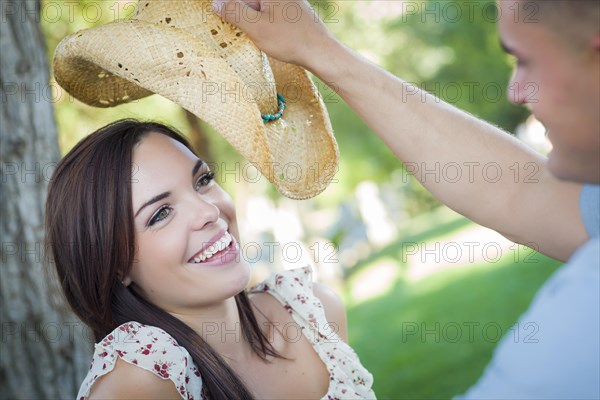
{"x":214,"y":248}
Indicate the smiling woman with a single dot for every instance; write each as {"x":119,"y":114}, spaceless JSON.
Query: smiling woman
{"x":146,"y":247}
{"x":179,"y":230}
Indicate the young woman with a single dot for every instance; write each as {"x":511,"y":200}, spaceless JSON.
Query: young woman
{"x":146,"y":247}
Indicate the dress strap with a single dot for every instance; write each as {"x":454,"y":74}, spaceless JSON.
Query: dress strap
{"x":294,"y":290}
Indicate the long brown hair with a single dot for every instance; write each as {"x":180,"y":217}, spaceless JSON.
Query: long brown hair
{"x":90,"y":233}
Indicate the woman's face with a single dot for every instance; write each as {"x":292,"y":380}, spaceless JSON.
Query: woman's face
{"x":186,"y":236}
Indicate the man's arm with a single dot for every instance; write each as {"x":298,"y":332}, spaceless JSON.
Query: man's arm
{"x":490,"y":177}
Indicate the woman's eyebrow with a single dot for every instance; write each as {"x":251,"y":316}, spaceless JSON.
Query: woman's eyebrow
{"x":153,"y":200}
{"x":161,"y":196}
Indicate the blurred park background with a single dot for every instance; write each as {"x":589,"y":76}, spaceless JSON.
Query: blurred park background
{"x":428,"y":293}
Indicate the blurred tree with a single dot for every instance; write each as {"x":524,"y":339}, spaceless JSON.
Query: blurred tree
{"x":44,"y":352}
{"x":198,"y":138}
{"x":451,"y":49}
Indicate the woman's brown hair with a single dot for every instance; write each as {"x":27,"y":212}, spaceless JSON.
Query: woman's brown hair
{"x":90,"y":233}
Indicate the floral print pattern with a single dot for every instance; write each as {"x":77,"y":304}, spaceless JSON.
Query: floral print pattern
{"x":156,"y":351}
{"x":348,"y":379}
{"x":149,"y":348}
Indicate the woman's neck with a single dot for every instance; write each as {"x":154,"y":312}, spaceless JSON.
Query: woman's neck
{"x":219,"y":325}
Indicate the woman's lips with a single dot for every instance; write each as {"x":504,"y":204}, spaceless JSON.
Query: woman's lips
{"x":210,"y":249}
{"x":226,"y":256}
{"x":218,"y":236}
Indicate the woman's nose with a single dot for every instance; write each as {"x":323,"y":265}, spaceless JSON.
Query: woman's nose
{"x":203,"y":212}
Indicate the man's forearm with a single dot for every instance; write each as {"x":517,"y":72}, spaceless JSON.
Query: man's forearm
{"x":468,"y":164}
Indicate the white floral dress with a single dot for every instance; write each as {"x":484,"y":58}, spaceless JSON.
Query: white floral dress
{"x":156,"y":351}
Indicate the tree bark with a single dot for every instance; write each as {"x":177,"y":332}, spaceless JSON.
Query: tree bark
{"x":45,"y":351}
{"x":198,"y":137}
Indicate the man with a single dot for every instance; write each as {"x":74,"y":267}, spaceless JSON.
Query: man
{"x":557,"y":45}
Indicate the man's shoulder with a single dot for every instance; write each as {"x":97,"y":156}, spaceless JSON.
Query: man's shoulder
{"x":553,"y":350}
{"x":587,"y":256}
{"x":589,"y":204}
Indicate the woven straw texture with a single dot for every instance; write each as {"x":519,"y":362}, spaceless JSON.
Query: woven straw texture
{"x":185,"y":52}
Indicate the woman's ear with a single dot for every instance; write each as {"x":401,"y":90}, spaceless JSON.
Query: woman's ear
{"x":126,"y":281}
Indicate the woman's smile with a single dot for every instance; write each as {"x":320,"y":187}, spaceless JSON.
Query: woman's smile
{"x":220,"y":252}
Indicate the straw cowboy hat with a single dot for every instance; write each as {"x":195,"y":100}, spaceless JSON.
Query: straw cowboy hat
{"x":268,"y":110}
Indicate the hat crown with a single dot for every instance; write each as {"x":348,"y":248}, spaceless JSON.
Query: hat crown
{"x":197,"y":18}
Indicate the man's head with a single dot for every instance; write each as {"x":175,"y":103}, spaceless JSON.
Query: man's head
{"x":557,"y":46}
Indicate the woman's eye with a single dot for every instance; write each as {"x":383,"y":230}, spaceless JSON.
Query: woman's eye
{"x":204,"y":180}
{"x":161,"y":214}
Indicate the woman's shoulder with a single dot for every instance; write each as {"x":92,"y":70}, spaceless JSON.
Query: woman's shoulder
{"x":335,"y":310}
{"x":148,"y":351}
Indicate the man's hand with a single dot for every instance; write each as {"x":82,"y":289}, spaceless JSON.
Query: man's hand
{"x":288,"y":30}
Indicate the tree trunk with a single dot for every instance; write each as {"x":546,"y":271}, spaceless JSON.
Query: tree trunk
{"x":45,"y":350}
{"x":197,"y":135}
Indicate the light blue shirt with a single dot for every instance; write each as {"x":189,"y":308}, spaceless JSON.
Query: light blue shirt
{"x":556,"y":354}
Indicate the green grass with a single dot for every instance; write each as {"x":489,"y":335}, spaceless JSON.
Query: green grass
{"x":477,"y":301}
